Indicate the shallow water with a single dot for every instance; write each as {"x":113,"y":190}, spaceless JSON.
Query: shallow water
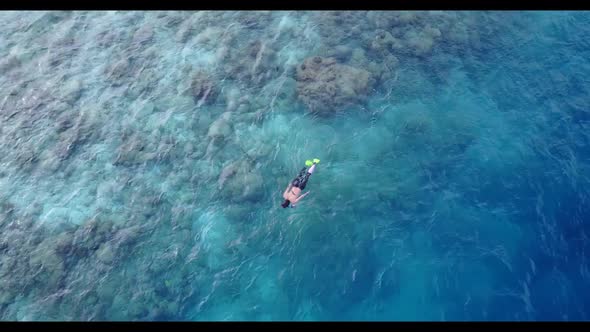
{"x":143,"y":157}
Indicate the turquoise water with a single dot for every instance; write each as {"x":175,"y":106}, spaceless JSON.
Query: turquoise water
{"x":144,"y":154}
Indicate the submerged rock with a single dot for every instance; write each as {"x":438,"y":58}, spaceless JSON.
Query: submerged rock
{"x":341,"y":53}
{"x":133,"y":152}
{"x":63,"y":243}
{"x":382,"y":40}
{"x":174,"y":19}
{"x":128,"y":236}
{"x":240,"y":182}
{"x":48,"y":263}
{"x":72,"y":90}
{"x":221,"y":128}
{"x":143,"y":35}
{"x":106,"y":253}
{"x":6,"y":297}
{"x":227,"y":173}
{"x":9,"y":63}
{"x":90,"y":236}
{"x":422,"y":43}
{"x":203,"y":89}
{"x":255,"y":64}
{"x":118,"y":71}
{"x":325,"y":86}
{"x":185,"y":30}
{"x":338,"y":26}
{"x":250,"y":186}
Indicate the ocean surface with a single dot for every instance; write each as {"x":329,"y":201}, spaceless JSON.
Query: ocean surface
{"x":143,"y":157}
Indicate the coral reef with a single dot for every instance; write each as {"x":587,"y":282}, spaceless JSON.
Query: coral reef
{"x":326,"y":86}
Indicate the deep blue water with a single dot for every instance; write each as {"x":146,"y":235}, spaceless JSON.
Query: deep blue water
{"x":143,"y":157}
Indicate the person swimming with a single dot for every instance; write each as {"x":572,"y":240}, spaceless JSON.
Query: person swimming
{"x":292,"y":194}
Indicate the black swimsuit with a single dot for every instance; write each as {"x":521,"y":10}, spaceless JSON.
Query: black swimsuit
{"x":301,"y":180}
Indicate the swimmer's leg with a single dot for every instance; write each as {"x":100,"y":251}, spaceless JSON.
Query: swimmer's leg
{"x":307,"y":175}
{"x":302,"y":172}
{"x":299,"y":178}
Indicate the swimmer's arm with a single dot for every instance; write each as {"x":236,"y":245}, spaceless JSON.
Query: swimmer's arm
{"x":300,"y":197}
